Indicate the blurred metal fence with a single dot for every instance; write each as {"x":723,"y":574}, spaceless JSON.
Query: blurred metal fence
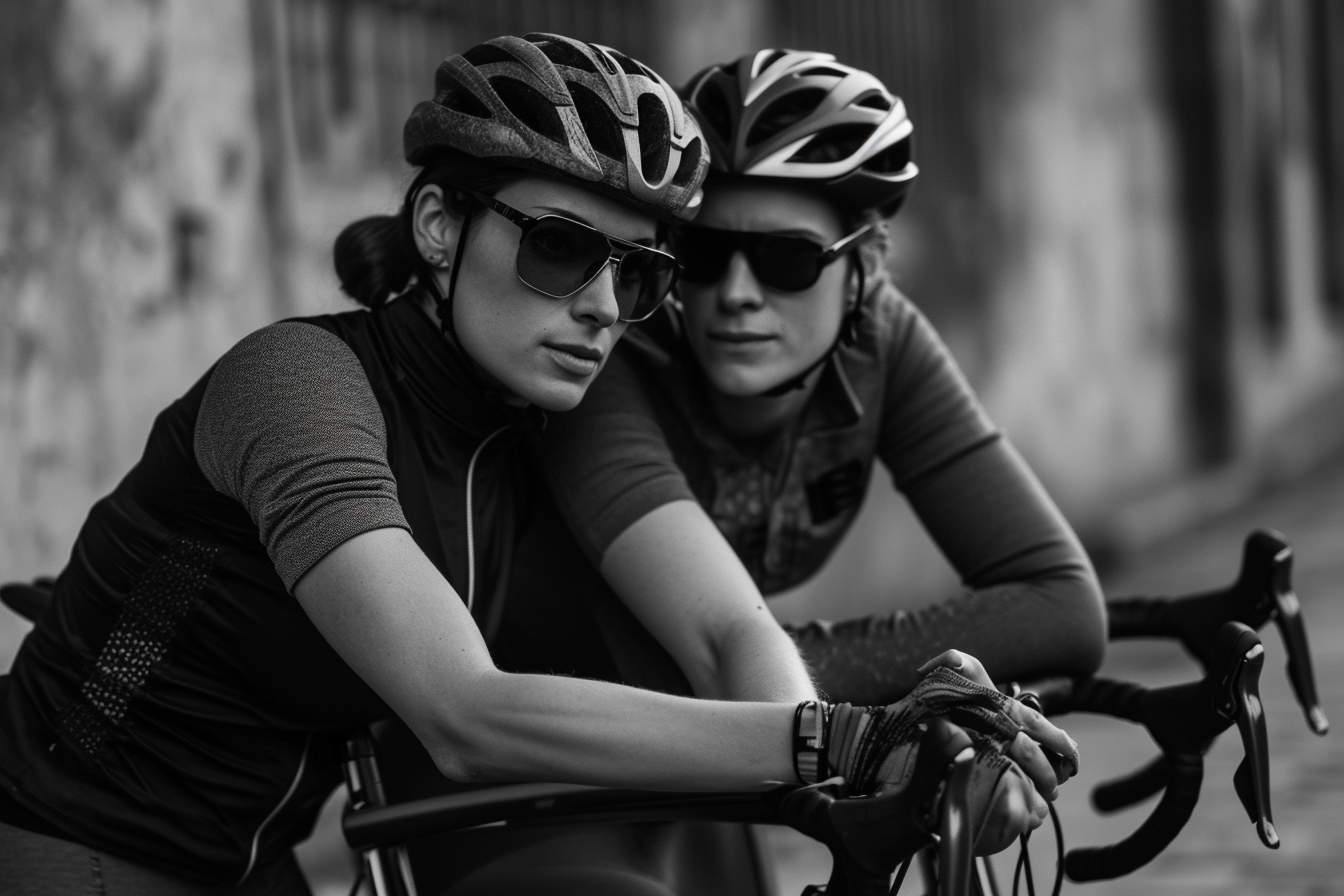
{"x":372,"y":60}
{"x":931,"y":53}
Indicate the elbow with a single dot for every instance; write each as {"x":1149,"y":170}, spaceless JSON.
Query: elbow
{"x":457,"y":755}
{"x":1083,"y":623}
{"x":462,"y":740}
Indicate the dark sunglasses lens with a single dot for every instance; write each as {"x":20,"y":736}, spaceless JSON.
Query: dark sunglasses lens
{"x":558,"y":257}
{"x":787,"y":263}
{"x":703,"y":254}
{"x":643,"y":279}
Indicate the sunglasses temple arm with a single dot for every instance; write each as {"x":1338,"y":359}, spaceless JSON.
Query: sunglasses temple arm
{"x":853,"y":241}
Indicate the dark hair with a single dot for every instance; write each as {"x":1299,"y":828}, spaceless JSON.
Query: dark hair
{"x":376,"y":257}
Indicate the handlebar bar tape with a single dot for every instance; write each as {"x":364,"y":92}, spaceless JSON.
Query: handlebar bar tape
{"x":1112,"y":796}
{"x":1184,"y":776}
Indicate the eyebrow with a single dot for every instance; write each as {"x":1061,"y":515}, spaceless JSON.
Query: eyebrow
{"x":573,"y":216}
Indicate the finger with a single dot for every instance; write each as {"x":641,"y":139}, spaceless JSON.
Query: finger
{"x":1048,"y":735}
{"x":960,"y":662}
{"x":1015,"y":809}
{"x":1033,"y":762}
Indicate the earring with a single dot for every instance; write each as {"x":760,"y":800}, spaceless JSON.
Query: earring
{"x":435,"y":258}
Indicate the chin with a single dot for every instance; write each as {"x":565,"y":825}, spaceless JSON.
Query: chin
{"x":742,"y":382}
{"x":556,"y":395}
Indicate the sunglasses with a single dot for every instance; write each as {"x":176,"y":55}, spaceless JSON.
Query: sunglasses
{"x":558,"y":257}
{"x":778,"y":261}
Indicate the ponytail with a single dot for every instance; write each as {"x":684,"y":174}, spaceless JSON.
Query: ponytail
{"x":376,"y":257}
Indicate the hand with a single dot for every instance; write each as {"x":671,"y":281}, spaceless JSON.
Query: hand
{"x":1045,"y":752}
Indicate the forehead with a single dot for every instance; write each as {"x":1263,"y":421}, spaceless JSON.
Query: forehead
{"x":538,"y":195}
{"x":768,"y":207}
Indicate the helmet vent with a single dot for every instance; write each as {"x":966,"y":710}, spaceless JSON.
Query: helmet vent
{"x":876,"y":101}
{"x":531,"y":107}
{"x":785,"y":112}
{"x":770,"y":60}
{"x":892,"y":159}
{"x":713,"y":108}
{"x":602,"y":59}
{"x":563,"y":54}
{"x":628,"y":65}
{"x":655,"y":137}
{"x":602,"y":128}
{"x":484,"y":54}
{"x":823,"y":71}
{"x":459,"y":99}
{"x":834,"y":143}
{"x":690,"y":158}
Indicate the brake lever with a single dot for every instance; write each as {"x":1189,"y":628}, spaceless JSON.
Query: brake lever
{"x":1241,"y":694}
{"x":1263,"y":591}
{"x":1183,"y":720}
{"x":1293,"y":630}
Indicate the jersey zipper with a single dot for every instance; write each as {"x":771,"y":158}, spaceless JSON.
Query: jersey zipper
{"x":471,"y":529}
{"x":293,"y":786}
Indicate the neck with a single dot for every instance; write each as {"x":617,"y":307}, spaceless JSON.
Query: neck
{"x":430,"y":307}
{"x":760,"y":416}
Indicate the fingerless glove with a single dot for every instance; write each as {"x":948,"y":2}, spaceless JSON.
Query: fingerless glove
{"x":874,"y":747}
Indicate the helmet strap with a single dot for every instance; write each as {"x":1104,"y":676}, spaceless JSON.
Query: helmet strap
{"x":847,"y":335}
{"x":443,"y":305}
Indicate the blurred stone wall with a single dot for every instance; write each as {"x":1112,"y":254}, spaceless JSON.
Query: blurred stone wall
{"x":132,"y":246}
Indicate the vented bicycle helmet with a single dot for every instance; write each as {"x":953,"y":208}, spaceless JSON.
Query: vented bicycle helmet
{"x":556,"y":105}
{"x":803,"y":116}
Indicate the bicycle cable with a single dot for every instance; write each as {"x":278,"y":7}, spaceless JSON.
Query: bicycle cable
{"x":900,"y":875}
{"x":359,"y":880}
{"x":1024,"y":859}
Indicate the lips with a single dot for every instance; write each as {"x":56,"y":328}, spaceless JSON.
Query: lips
{"x":736,"y":336}
{"x":579,"y":360}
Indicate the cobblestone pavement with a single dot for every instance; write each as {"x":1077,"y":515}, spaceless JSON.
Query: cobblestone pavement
{"x":1218,"y":851}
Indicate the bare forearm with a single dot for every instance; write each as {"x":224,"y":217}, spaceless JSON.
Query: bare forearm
{"x":546,"y":728}
{"x":1017,"y":630}
{"x":757,"y":663}
{"x":683,"y":582}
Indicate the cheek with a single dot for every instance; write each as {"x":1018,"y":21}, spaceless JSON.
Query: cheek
{"x":697,"y":302}
{"x":812,"y":317}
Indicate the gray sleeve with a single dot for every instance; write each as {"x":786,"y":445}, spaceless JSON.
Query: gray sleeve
{"x":290,"y":428}
{"x":1034,"y":607}
{"x":607,"y":462}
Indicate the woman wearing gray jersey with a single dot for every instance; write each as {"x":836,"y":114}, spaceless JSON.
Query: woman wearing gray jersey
{"x":727,"y":447}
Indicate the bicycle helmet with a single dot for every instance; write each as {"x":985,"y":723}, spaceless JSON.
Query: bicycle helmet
{"x":552,"y":104}
{"x":801,"y":115}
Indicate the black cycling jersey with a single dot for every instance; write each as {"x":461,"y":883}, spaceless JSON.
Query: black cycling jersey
{"x":175,"y":705}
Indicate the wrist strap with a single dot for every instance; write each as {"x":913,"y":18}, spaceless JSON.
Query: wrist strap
{"x":809,"y":741}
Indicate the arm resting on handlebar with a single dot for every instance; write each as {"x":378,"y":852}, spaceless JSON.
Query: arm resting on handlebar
{"x":1018,"y":631}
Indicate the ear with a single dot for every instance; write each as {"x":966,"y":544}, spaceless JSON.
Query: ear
{"x":435,"y":228}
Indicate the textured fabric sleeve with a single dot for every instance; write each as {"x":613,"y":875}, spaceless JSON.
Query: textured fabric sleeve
{"x":1034,"y":607}
{"x":290,"y":428}
{"x":607,"y":462}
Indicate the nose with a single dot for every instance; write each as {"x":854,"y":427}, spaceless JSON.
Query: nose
{"x":738,"y":288}
{"x":595,"y":304}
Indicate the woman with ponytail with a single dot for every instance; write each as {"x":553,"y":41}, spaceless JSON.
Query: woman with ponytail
{"x":318,"y":533}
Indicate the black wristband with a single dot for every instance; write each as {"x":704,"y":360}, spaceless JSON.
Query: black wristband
{"x":809,"y":741}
